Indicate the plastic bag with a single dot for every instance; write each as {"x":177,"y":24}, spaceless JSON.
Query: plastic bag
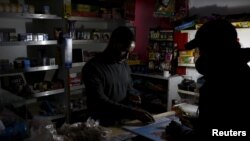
{"x":12,"y":126}
{"x":43,"y":131}
{"x":88,"y":131}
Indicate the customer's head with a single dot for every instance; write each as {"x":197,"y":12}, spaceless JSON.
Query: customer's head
{"x":218,"y":45}
{"x":121,"y":43}
{"x":215,"y":36}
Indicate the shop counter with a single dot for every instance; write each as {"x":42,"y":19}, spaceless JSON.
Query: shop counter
{"x":135,"y":128}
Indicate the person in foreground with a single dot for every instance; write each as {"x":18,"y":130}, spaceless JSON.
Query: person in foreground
{"x":110,"y":94}
{"x":223,"y":98}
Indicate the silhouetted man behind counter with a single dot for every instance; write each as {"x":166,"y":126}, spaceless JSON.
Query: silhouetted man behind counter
{"x":110,"y":95}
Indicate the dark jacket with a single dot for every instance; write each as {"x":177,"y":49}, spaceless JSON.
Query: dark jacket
{"x":107,"y":85}
{"x":224,"y":95}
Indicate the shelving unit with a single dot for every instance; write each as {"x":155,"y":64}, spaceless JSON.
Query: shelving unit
{"x":161,"y":50}
{"x":28,"y":23}
{"x":20,"y":22}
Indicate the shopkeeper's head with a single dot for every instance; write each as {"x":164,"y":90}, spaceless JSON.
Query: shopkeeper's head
{"x":218,"y":44}
{"x":121,"y":43}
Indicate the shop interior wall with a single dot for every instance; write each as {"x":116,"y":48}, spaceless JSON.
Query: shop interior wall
{"x":144,"y":18}
{"x":224,"y":7}
{"x":143,"y":21}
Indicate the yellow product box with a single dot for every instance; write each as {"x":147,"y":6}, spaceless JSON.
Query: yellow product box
{"x":133,"y":62}
{"x":245,"y":24}
{"x":151,"y":56}
{"x":186,"y":60}
{"x":197,"y":26}
{"x":83,"y":8}
{"x":67,"y":8}
{"x":187,"y":53}
{"x":242,"y":24}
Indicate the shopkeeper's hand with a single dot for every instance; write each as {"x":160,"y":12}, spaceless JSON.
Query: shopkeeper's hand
{"x":185,"y":119}
{"x":144,"y":116}
{"x":135,"y":99}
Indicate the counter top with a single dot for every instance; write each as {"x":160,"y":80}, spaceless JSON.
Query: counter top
{"x":120,"y":133}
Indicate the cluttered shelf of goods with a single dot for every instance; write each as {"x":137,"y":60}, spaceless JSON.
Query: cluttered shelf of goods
{"x":187,"y":58}
{"x":99,"y":10}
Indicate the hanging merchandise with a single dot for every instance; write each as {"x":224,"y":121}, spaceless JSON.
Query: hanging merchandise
{"x":181,"y":9}
{"x":176,"y":9}
{"x":164,"y":8}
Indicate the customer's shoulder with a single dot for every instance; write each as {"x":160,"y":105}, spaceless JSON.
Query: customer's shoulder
{"x":90,"y":63}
